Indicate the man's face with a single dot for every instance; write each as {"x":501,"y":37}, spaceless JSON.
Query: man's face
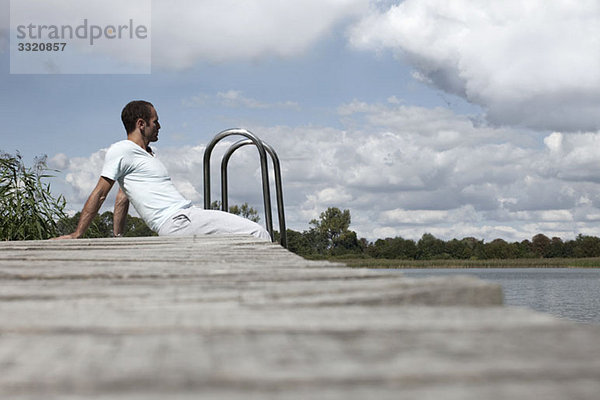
{"x":151,"y":128}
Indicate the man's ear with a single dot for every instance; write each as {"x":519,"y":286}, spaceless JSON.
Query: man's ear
{"x":140,"y":123}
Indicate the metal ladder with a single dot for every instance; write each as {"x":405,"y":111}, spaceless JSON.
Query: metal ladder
{"x":263,"y":148}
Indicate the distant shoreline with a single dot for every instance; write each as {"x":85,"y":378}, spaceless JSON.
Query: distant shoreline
{"x":495,"y":263}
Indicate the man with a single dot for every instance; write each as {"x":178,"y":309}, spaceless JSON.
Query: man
{"x":144,"y":181}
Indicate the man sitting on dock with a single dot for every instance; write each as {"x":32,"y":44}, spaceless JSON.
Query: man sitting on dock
{"x":144,"y":181}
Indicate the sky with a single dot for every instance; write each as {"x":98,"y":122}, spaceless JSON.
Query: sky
{"x":456,"y":118}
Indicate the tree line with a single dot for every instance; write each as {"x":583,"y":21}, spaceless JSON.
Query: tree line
{"x":330,"y":236}
{"x":29,"y":211}
{"x":322,"y":240}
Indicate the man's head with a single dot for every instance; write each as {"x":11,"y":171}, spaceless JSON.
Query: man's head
{"x":140,"y":114}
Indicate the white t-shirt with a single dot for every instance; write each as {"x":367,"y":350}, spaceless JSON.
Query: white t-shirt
{"x":145,"y":182}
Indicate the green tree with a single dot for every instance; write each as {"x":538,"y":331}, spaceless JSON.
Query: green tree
{"x":525,"y":249}
{"x":244,"y":210}
{"x":317,"y":242}
{"x":391,"y":248}
{"x":429,"y":247}
{"x":474,"y":248}
{"x":332,"y":223}
{"x":300,"y":243}
{"x":587,"y":246}
{"x":28,"y":210}
{"x":568,"y":249}
{"x":459,"y":249}
{"x":499,"y":248}
{"x":540,"y":245}
{"x":332,"y":232}
{"x":346,"y":243}
{"x":379,"y":248}
{"x":557,"y":248}
{"x":136,"y":227}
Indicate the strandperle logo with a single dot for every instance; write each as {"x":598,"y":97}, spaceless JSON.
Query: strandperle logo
{"x":85,"y":31}
{"x":80,"y":37}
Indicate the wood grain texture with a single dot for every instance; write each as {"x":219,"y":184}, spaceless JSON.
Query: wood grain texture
{"x":234,"y":317}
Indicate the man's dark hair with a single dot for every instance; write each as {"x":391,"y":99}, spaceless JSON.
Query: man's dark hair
{"x":134,"y":110}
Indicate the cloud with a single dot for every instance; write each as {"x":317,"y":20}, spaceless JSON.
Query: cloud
{"x":60,"y":161}
{"x":534,"y":64}
{"x":76,"y":177}
{"x":572,"y":157}
{"x":83,"y":173}
{"x":236,"y":99}
{"x":226,"y":30}
{"x":404,"y":170}
{"x":417,"y":217}
{"x":187,"y":32}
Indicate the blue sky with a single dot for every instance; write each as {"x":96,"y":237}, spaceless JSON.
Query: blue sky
{"x":466,"y":118}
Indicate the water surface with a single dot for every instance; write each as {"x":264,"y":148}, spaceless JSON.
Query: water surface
{"x":571,"y":293}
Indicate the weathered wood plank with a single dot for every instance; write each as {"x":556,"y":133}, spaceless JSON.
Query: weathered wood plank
{"x":233,"y":317}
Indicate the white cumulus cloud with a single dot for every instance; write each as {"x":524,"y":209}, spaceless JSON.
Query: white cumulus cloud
{"x":235,"y":99}
{"x":532,"y":63}
{"x":185,"y":32}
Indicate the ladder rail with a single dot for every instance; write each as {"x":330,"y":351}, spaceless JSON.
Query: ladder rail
{"x":278,"y":185}
{"x":263,"y":166}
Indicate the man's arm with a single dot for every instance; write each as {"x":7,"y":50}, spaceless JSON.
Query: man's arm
{"x":91,"y":207}
{"x":120,"y":213}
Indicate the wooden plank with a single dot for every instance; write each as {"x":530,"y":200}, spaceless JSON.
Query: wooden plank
{"x":233,"y":317}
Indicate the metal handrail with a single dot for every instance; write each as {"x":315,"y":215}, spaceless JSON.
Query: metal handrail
{"x":278,"y":185}
{"x":263,"y":166}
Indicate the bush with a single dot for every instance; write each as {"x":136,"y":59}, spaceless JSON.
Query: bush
{"x":28,"y":211}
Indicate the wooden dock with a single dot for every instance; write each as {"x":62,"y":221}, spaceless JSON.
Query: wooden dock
{"x":236,"y":318}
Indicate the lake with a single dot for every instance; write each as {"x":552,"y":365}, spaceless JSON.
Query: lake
{"x":571,"y":293}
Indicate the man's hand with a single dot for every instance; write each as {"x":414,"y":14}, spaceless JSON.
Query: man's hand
{"x":91,"y":207}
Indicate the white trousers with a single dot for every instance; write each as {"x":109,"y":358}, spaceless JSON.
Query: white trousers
{"x":198,"y":221}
